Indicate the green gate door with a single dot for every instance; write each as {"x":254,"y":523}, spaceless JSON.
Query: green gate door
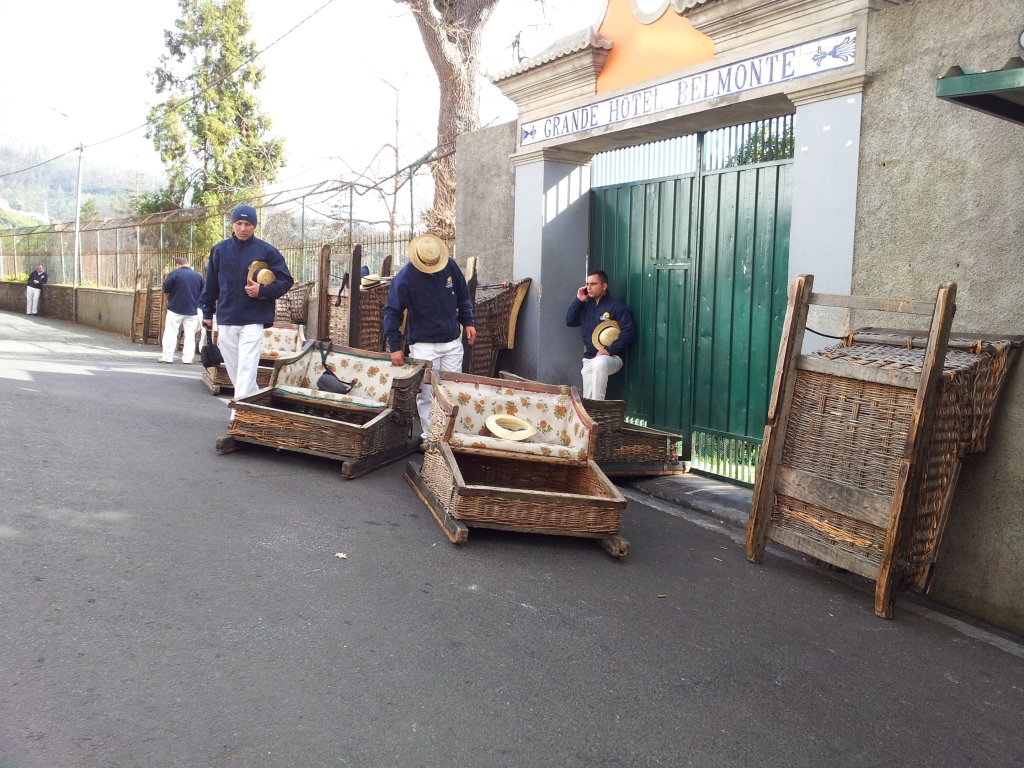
{"x":705,"y":276}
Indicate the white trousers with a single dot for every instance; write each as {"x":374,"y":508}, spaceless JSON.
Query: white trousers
{"x":32,"y":300}
{"x":596,"y":373}
{"x":240,"y":346}
{"x":173,"y":322}
{"x":443,"y":355}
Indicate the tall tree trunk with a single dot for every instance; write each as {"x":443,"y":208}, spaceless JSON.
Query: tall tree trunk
{"x":451,"y":32}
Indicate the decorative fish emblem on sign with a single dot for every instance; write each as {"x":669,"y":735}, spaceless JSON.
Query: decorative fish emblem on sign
{"x":844,"y":52}
{"x":529,"y":134}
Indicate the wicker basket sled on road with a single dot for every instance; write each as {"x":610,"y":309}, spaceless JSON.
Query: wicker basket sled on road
{"x":365,"y":429}
{"x":864,"y":440}
{"x":549,"y":484}
{"x":496,"y":311}
{"x":625,"y":450}
{"x":280,"y":342}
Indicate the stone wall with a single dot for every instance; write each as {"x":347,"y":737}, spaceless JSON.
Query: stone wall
{"x":485,"y":200}
{"x":101,"y":308}
{"x":55,"y":300}
{"x":941,"y":197}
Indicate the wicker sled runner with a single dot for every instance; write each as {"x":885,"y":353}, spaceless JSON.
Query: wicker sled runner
{"x":864,"y":440}
{"x":366,"y":429}
{"x":625,"y":450}
{"x":547,"y":484}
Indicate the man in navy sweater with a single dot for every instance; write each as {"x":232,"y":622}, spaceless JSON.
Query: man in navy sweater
{"x":432,"y":287}
{"x":244,"y":279}
{"x":36,"y":281}
{"x":183,"y":287}
{"x":592,"y":307}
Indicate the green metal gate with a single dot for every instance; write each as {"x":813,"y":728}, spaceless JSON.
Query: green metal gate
{"x":705,"y":276}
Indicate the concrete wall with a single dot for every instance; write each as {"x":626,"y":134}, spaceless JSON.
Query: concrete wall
{"x":55,"y":300}
{"x":485,"y":200}
{"x":552,"y":235}
{"x":107,"y":310}
{"x":827,"y":136}
{"x":941,"y":197}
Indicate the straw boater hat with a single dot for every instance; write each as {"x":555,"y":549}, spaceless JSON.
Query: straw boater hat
{"x":605,"y":334}
{"x":510,"y":428}
{"x":428,"y":253}
{"x":368,"y":281}
{"x":259,"y":272}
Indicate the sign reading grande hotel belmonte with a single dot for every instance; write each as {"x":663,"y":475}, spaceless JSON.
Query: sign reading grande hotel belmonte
{"x":803,"y":60}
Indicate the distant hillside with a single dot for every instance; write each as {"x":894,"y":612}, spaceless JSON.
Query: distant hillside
{"x":51,"y":188}
{"x":12,"y":220}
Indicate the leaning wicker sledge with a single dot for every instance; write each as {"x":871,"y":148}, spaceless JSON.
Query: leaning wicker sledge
{"x":496,"y":311}
{"x":366,"y":429}
{"x":623,"y":449}
{"x":864,"y":440}
{"x":549,"y":484}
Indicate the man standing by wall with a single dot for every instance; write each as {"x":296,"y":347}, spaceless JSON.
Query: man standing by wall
{"x":36,"y":281}
{"x":183,"y":287}
{"x":244,"y":279}
{"x":607,"y":332}
{"x":432,"y":287}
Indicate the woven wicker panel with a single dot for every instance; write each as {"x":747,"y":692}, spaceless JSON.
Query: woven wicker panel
{"x":852,"y":432}
{"x":829,"y":528}
{"x":278,"y":426}
{"x":492,"y":311}
{"x":293,"y":306}
{"x":221,"y":378}
{"x":371,"y":318}
{"x":555,"y":513}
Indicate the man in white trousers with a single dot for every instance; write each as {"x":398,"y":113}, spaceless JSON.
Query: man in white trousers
{"x":183,"y":287}
{"x":36,"y":281}
{"x":244,"y":279}
{"x":607,"y":329}
{"x":432,"y":287}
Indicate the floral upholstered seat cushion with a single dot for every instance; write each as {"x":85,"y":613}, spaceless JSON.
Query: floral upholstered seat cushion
{"x":317,"y":394}
{"x":561,"y":430}
{"x":371,"y":377}
{"x":281,"y":342}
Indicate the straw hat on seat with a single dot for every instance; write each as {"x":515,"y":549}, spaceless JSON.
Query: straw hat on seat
{"x":510,"y":428}
{"x":428,"y":253}
{"x":368,"y":281}
{"x":605,"y":334}
{"x":259,"y":272}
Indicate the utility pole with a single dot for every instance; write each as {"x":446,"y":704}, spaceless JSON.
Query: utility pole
{"x":78,"y":237}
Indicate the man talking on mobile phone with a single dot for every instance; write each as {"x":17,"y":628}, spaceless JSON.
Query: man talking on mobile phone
{"x":607,"y":332}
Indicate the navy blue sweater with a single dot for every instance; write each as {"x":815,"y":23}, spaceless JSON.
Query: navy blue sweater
{"x":225,"y":294}
{"x":437,"y":304}
{"x":36,"y":280}
{"x":183,"y":287}
{"x":587,"y":315}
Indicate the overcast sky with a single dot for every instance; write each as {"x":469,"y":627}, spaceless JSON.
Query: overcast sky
{"x":75,"y":71}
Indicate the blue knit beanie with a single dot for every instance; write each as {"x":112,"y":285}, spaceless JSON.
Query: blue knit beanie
{"x":244,"y":213}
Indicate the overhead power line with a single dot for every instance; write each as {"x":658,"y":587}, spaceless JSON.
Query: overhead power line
{"x":175,"y":105}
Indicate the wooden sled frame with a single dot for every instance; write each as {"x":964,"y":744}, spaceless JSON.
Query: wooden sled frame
{"x":853,"y":502}
{"x":215,"y":382}
{"x":352,"y":466}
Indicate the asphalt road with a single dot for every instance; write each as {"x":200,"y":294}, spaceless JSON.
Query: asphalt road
{"x":163,"y":605}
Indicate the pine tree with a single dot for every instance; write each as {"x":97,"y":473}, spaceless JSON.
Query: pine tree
{"x":211,"y":133}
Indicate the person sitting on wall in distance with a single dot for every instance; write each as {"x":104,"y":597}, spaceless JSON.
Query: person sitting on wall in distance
{"x":183,"y":287}
{"x":607,"y":329}
{"x":36,"y":281}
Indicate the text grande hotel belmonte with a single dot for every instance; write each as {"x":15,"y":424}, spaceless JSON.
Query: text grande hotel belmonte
{"x":803,"y":60}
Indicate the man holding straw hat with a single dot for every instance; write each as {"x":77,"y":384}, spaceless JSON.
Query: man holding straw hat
{"x":607,"y":332}
{"x":244,"y":279}
{"x":432,"y":287}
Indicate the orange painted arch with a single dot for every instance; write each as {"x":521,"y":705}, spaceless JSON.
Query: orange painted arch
{"x":644,"y":51}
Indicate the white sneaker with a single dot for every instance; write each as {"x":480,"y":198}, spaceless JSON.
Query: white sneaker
{"x":162,"y":360}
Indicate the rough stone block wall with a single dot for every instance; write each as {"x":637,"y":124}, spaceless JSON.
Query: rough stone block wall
{"x":485,"y":200}
{"x":55,"y":301}
{"x":941,"y":197}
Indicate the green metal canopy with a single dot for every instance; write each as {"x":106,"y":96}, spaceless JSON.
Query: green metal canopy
{"x":999,"y":93}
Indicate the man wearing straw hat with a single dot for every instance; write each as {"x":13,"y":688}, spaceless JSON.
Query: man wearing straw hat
{"x":244,"y":279}
{"x":432,"y":287}
{"x":607,"y":332}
